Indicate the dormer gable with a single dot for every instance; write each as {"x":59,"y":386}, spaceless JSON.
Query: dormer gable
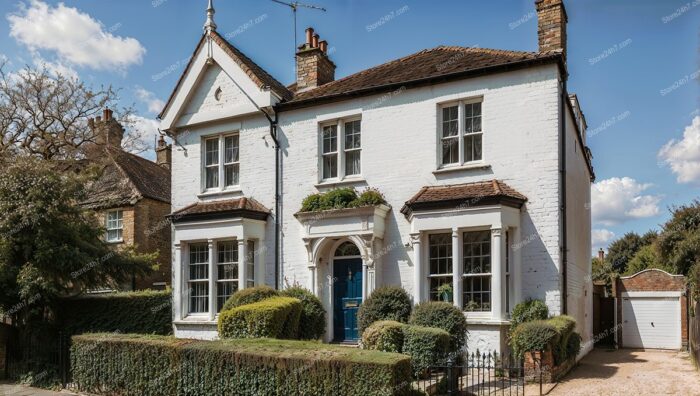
{"x":219,"y":82}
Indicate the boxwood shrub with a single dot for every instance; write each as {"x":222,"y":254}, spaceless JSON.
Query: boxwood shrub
{"x":249,"y":296}
{"x":275,"y":317}
{"x":385,"y":303}
{"x":131,"y":365}
{"x":341,"y":198}
{"x":384,"y":335}
{"x":565,"y":326}
{"x":427,"y":346}
{"x":312,"y":323}
{"x":443,"y":316}
{"x":146,"y":312}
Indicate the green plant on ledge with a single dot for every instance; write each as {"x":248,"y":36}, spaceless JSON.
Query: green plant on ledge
{"x":341,"y":198}
{"x":445,"y":292}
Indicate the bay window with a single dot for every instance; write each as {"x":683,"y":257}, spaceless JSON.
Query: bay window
{"x":476,"y":253}
{"x":221,"y":164}
{"x":341,"y":148}
{"x":461,"y":134}
{"x":227,"y":272}
{"x":198,"y":278}
{"x":440,"y":263}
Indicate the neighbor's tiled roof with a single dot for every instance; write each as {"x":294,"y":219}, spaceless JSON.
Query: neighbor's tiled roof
{"x":243,"y":207}
{"x":464,"y":195}
{"x":437,"y":62}
{"x":124,"y":179}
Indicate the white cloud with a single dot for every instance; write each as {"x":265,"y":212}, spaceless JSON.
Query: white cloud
{"x":683,"y":156}
{"x":75,"y":37}
{"x":617,"y":200}
{"x":56,"y":68}
{"x":154,"y":104}
{"x":601,"y":238}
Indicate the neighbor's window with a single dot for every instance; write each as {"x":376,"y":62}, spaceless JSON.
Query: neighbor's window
{"x":198,"y":278}
{"x":227,"y":272}
{"x":221,"y":161}
{"x":461,"y":135}
{"x":477,"y":270}
{"x":440,"y":261}
{"x":115,"y":226}
{"x":341,"y":149}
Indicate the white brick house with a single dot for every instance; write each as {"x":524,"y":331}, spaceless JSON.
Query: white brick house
{"x":481,"y":155}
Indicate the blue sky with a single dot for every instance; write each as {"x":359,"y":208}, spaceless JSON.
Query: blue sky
{"x":633,"y":63}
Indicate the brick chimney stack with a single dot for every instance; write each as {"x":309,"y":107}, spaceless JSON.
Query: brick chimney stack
{"x":601,"y":254}
{"x":314,"y":68}
{"x":164,"y":153}
{"x":107,"y":130}
{"x":551,"y":25}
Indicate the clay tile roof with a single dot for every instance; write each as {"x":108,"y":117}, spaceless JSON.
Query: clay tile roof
{"x":124,"y":179}
{"x":237,"y":207}
{"x":464,"y":195}
{"x":437,"y":62}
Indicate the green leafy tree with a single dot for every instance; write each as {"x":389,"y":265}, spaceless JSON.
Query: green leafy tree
{"x":602,"y":270}
{"x":49,"y":246}
{"x":647,"y":257}
{"x":679,"y":242}
{"x":622,"y":250}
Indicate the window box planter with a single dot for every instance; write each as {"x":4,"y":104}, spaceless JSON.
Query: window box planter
{"x":365,"y":220}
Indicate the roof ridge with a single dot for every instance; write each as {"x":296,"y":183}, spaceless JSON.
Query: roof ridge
{"x":111,"y":151}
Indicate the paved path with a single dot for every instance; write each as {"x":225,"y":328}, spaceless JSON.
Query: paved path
{"x":631,"y":372}
{"x":21,"y":390}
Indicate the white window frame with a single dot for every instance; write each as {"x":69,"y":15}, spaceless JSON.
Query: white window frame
{"x":341,"y":151}
{"x":221,"y":163}
{"x":190,"y":281}
{"x":219,"y":281}
{"x":119,"y":226}
{"x":448,"y":275}
{"x":461,"y":133}
{"x":488,"y":275}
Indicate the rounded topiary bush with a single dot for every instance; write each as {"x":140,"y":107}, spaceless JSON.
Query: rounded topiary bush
{"x":443,"y":316}
{"x":312,"y":324}
{"x":249,"y":296}
{"x":385,"y":303}
{"x":311,"y":203}
{"x":384,"y":335}
{"x":573,"y":345}
{"x":275,"y":317}
{"x":528,"y":311}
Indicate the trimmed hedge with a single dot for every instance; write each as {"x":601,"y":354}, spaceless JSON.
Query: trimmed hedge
{"x":565,"y":326}
{"x":385,"y":303}
{"x":275,"y":317}
{"x":146,"y":312}
{"x":384,"y":335}
{"x":131,"y":365}
{"x":312,"y":323}
{"x":249,"y":296}
{"x":341,"y":198}
{"x":427,"y":346}
{"x":443,"y":316}
{"x":528,"y":311}
{"x":537,"y":335}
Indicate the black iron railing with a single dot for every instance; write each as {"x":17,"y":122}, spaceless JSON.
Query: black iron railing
{"x":474,"y":374}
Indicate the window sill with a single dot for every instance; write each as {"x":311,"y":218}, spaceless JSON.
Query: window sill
{"x":465,"y":167}
{"x":115,"y":242}
{"x":485,"y":320}
{"x":216,"y":193}
{"x":335,"y":182}
{"x":195,"y":320}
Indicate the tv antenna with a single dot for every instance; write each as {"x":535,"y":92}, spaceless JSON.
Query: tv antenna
{"x":294,"y":6}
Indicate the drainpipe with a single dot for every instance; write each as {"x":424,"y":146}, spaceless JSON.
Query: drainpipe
{"x":278,"y":201}
{"x":562,"y":175}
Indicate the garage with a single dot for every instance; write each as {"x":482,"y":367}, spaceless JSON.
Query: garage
{"x":651,"y":321}
{"x":651,"y":310}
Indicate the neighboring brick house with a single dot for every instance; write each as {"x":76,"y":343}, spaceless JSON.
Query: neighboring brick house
{"x":652,"y":310}
{"x":131,"y":197}
{"x":480,"y":153}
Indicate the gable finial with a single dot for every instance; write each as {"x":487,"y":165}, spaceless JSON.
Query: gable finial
{"x":210,"y":25}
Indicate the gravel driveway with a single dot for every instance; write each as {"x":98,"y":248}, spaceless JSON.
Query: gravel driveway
{"x":631,"y":372}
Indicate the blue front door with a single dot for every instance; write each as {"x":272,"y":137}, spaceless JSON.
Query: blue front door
{"x":347,"y":297}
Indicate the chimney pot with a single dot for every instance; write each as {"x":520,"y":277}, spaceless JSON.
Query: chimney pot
{"x":323,"y":45}
{"x":107,"y":114}
{"x":314,"y":41}
{"x":309,"y":35}
{"x":601,"y":254}
{"x":98,"y":119}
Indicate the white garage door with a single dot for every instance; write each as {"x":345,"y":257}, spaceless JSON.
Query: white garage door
{"x":651,"y":322}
